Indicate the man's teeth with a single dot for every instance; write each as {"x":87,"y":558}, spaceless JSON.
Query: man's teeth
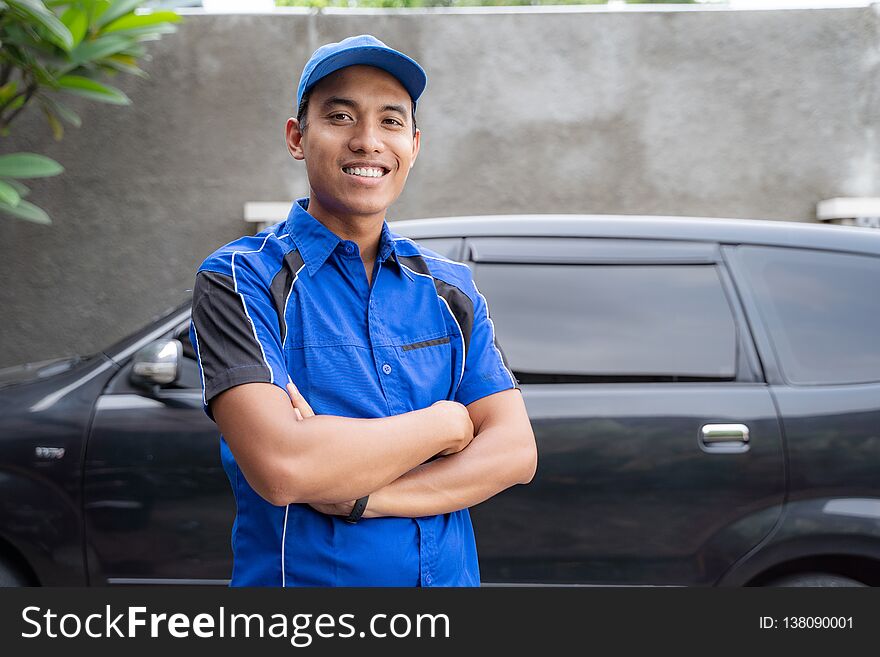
{"x":367,"y":172}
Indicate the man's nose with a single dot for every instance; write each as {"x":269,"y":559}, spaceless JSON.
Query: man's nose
{"x":367,"y":139}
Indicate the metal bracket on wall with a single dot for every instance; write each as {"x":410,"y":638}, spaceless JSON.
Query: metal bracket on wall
{"x":262,"y":214}
{"x":853,"y":211}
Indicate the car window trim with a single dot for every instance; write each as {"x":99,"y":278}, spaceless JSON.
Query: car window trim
{"x":747,"y":362}
{"x":588,"y":251}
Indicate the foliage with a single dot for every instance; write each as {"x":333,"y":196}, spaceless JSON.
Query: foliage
{"x":52,"y":47}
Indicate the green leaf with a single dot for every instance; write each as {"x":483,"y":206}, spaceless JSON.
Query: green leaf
{"x":63,"y":111}
{"x":28,"y":165}
{"x":93,"y":90}
{"x":7,"y":91}
{"x":14,"y":105}
{"x":136,"y":50}
{"x":77,"y":21}
{"x":149,"y":36}
{"x":24,"y":45}
{"x":151,"y":31}
{"x":15,"y":35}
{"x":121,"y":63}
{"x":8,"y":194}
{"x":139,"y":21}
{"x":54,"y":123}
{"x":95,"y":9}
{"x":103,"y":46}
{"x":27,"y":211}
{"x":20,"y":187}
{"x":128,"y":60}
{"x":116,"y":10}
{"x":42,"y":74}
{"x":39,"y":15}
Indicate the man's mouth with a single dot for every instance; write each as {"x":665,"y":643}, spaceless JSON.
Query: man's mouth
{"x":365,"y":172}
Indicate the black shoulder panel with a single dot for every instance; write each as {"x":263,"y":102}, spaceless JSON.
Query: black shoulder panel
{"x":281,"y":286}
{"x":226,"y":338}
{"x":459,"y":303}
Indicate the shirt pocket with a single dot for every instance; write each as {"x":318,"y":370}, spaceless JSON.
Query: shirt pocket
{"x":429,"y":368}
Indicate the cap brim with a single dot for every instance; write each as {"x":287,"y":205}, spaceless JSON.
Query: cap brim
{"x":406,"y":70}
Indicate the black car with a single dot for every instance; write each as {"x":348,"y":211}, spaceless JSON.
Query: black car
{"x":705,"y":394}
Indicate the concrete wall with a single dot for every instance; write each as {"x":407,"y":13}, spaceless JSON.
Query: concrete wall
{"x":740,"y":114}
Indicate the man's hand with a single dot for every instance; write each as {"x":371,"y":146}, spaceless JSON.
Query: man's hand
{"x":456,"y":413}
{"x":503,"y":454}
{"x":323,"y":458}
{"x":300,"y":405}
{"x":461,"y":420}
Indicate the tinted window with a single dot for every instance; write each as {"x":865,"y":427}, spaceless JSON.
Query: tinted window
{"x":594,"y":322}
{"x":822,"y":311}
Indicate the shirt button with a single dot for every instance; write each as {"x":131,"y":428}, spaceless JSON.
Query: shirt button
{"x":386,"y":368}
{"x":349,"y":248}
{"x":428,"y":578}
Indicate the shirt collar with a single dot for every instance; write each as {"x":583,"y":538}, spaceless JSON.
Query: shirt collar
{"x":387,"y":245}
{"x":316,"y":242}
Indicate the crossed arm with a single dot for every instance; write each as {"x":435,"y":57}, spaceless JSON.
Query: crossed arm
{"x":288,"y":454}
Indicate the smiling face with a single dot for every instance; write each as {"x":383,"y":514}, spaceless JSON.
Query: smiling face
{"x":357,"y":142}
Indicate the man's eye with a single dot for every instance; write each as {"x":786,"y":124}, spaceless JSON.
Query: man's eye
{"x":339,"y":116}
{"x":395,"y":122}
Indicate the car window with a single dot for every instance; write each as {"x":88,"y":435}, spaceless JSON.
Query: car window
{"x":569,"y":323}
{"x":821,"y":310}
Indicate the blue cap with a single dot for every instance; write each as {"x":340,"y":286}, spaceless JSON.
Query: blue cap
{"x":363,"y":49}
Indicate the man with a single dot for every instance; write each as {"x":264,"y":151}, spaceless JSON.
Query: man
{"x":418,"y":417}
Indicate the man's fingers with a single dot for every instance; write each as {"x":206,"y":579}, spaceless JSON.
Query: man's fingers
{"x":299,"y":402}
{"x":299,"y":416}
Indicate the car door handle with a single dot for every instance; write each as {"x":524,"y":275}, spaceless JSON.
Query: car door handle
{"x":714,"y":434}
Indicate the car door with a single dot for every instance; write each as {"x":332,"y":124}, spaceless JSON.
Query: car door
{"x":158,"y":505}
{"x":816,"y":313}
{"x":660,"y":452}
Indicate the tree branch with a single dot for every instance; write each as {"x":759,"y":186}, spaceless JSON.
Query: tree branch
{"x":5,"y":72}
{"x":28,"y":92}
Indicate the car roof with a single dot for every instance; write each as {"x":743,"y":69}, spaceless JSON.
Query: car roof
{"x":708,"y":229}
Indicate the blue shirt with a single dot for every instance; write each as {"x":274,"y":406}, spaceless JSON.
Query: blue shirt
{"x":293,"y":303}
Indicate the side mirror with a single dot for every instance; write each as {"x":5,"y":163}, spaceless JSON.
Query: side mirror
{"x":157,"y":364}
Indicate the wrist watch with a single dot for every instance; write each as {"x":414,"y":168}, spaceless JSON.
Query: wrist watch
{"x":357,"y":510}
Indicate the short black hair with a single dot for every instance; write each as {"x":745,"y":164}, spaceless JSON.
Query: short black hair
{"x":304,"y":108}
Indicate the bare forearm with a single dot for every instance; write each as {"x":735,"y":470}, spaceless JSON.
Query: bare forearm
{"x":339,"y":458}
{"x":328,"y":458}
{"x":493,"y":462}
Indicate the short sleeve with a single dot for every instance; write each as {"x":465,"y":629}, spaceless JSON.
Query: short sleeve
{"x":486,"y":370}
{"x":235,"y":335}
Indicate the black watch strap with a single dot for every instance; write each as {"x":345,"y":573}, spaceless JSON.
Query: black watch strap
{"x":358,"y":510}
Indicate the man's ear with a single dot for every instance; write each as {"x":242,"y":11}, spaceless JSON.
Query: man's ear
{"x":293,"y":136}
{"x":417,"y":141}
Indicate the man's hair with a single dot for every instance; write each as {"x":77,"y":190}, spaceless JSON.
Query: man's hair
{"x":304,"y":108}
